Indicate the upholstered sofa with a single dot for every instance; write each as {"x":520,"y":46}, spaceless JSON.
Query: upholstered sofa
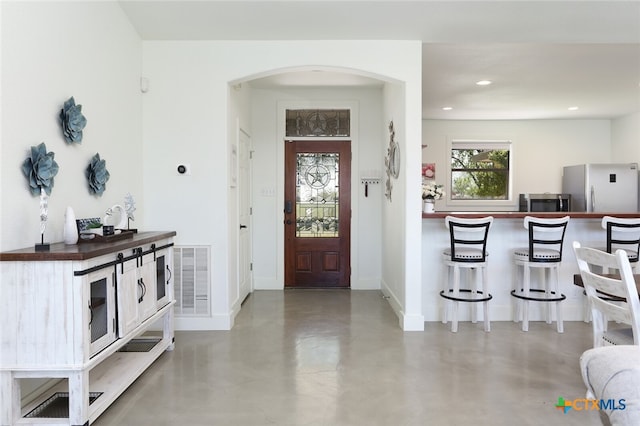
{"x":612,"y":374}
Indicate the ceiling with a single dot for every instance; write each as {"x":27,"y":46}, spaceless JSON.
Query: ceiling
{"x":542,"y":56}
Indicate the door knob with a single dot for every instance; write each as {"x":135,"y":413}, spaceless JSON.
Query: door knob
{"x":243,"y":226}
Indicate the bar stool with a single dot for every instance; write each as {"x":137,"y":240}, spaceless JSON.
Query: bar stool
{"x":624,"y":234}
{"x":546,"y":237}
{"x":468,"y":250}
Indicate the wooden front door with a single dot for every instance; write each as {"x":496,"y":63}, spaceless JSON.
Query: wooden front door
{"x":317,"y":214}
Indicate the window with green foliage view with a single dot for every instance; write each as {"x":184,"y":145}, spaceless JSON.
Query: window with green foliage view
{"x":479,"y":173}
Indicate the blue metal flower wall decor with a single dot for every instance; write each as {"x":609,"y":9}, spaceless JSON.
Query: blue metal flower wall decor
{"x":97,"y":175}
{"x":40,"y":169}
{"x":72,"y":121}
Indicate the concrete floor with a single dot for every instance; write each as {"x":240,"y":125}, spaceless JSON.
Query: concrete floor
{"x":338,"y":357}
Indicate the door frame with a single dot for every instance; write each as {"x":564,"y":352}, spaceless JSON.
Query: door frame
{"x":245,"y":225}
{"x":282,"y":106}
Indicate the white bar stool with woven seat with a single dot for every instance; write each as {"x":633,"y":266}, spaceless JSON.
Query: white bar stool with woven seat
{"x":467,"y":250}
{"x":623,"y":234}
{"x":544,"y":253}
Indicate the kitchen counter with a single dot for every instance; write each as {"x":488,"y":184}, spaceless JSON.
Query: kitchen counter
{"x":521,"y":215}
{"x":506,"y":234}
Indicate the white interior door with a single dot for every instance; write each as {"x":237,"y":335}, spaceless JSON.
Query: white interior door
{"x":244,"y":210}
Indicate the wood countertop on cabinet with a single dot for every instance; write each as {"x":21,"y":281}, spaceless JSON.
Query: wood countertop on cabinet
{"x":84,"y":250}
{"x":521,"y":215}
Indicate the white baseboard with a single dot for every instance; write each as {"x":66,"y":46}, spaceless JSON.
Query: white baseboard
{"x":267,"y":284}
{"x":216,"y":322}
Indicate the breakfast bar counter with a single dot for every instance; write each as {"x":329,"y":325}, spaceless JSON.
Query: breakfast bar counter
{"x":521,"y":215}
{"x":506,"y":234}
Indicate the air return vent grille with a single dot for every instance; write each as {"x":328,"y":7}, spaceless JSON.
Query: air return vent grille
{"x":191,"y":280}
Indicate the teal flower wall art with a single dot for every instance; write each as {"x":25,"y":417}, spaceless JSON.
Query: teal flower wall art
{"x":72,"y":121}
{"x":40,"y":168}
{"x":97,"y":175}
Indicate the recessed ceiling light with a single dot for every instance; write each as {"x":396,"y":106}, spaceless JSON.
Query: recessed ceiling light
{"x":447,"y":108}
{"x":573,"y":108}
{"x":484,"y":82}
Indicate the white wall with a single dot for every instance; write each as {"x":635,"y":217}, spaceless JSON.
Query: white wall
{"x":51,"y":52}
{"x":540,"y":149}
{"x":401,"y":230}
{"x":268,"y":166}
{"x":186,"y":119}
{"x":625,"y":139}
{"x":238,"y":119}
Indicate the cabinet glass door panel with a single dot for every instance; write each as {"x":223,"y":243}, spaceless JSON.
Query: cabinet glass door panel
{"x":101,"y":309}
{"x":161,"y":289}
{"x":99,"y":314}
{"x":163,"y":277}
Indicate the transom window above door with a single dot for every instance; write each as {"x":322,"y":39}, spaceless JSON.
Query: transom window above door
{"x":318,"y":122}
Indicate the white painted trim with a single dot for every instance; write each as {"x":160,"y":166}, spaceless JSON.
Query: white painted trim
{"x":267,"y":284}
{"x":354,"y":107}
{"x":217,"y":322}
{"x":366,"y":284}
{"x":411,"y":322}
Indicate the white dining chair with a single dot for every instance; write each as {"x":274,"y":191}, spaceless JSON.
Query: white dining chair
{"x":602,"y":287}
{"x":621,"y":233}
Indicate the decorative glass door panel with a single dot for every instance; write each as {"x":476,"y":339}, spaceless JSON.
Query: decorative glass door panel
{"x":317,"y":213}
{"x":317,"y":195}
{"x":101,"y":307}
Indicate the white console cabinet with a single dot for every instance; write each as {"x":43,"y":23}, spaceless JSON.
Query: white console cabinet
{"x":81,"y":316}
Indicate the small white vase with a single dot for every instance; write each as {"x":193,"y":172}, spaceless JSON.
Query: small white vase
{"x":70,"y":230}
{"x":429,"y":206}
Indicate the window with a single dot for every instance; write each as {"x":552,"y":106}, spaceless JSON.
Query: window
{"x":317,"y":122}
{"x":480,"y":171}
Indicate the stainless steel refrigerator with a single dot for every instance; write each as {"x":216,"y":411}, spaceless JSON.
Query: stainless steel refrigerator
{"x":611,"y":188}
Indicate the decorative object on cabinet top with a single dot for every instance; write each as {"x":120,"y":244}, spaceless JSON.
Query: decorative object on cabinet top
{"x":40,"y":168}
{"x":104,"y":238}
{"x":130,"y":207}
{"x":84,"y":225}
{"x":72,"y":121}
{"x":117,"y":216}
{"x":97,"y":175}
{"x":44,"y":215}
{"x":92,"y":230}
{"x":70,"y":229}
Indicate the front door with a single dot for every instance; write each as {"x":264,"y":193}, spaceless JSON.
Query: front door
{"x":317,"y":214}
